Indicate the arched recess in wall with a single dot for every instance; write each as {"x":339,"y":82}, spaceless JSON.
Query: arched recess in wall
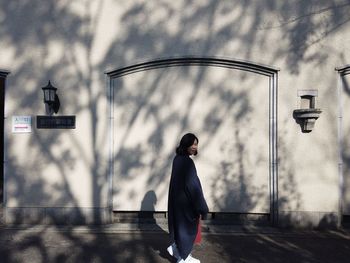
{"x":139,"y":97}
{"x":343,"y":142}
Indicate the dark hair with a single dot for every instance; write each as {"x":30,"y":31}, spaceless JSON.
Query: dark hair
{"x":186,"y":141}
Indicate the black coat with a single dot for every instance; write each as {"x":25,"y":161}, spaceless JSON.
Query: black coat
{"x":185,"y":204}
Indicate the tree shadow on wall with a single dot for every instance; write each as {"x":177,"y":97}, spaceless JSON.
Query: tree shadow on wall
{"x":30,"y":28}
{"x":235,"y":182}
{"x":65,"y":26}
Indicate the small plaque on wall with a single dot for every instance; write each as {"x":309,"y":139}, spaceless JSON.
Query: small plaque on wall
{"x":21,"y":124}
{"x":55,"y":122}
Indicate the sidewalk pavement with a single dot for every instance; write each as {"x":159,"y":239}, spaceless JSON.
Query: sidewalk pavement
{"x":147,"y":243}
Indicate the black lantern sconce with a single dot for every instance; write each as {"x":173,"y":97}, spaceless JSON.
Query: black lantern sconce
{"x":52,"y":105}
{"x":51,"y":100}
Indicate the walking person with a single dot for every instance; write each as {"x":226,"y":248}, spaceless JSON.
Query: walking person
{"x":186,"y":203}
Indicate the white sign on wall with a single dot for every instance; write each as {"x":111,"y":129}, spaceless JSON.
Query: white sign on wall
{"x":21,"y":124}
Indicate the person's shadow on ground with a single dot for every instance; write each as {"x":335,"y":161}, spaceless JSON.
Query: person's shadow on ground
{"x":148,"y":224}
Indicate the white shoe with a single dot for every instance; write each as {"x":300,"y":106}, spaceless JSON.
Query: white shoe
{"x":189,"y":259}
{"x":192,"y":259}
{"x":173,"y":251}
{"x":170,"y":249}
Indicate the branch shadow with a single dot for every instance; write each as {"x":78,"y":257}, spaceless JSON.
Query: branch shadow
{"x":29,"y":29}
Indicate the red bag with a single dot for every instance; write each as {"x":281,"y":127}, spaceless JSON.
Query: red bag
{"x":199,"y":233}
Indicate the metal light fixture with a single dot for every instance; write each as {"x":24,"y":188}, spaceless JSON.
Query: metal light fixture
{"x":52,"y":105}
{"x":51,"y":100}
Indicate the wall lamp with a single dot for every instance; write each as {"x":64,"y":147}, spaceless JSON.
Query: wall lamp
{"x":307,"y":115}
{"x":51,"y":100}
{"x":52,"y":105}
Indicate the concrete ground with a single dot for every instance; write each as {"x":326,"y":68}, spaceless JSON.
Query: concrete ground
{"x":147,"y":243}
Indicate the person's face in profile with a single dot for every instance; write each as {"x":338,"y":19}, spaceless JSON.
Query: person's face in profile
{"x":192,"y":150}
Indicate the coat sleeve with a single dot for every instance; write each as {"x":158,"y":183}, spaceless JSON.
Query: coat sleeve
{"x":194,"y":191}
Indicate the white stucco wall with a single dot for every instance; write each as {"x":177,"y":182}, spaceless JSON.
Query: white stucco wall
{"x":73,"y":43}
